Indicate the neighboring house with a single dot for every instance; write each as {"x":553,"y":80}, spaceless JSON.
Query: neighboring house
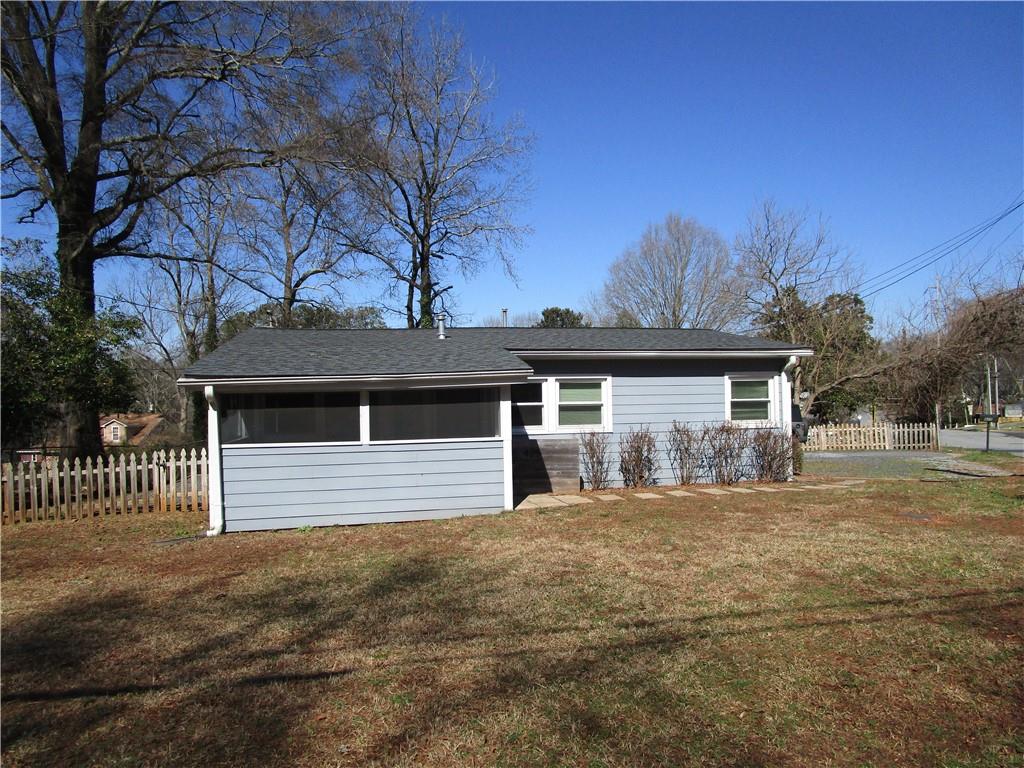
{"x":131,"y":429}
{"x":311,"y":427}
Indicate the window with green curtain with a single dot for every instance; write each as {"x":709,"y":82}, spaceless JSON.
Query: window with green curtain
{"x":750,"y":400}
{"x":580,"y":404}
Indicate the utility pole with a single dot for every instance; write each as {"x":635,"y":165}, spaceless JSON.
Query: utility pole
{"x":995,"y":364}
{"x":988,"y":394}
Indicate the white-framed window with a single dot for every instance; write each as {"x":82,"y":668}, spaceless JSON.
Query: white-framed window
{"x":528,"y":405}
{"x":553,"y":404}
{"x":115,"y":433}
{"x":751,"y":399}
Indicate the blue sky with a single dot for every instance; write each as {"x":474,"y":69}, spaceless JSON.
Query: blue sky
{"x":902,"y":123}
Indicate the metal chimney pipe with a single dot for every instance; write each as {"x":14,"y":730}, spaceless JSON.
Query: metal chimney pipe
{"x":504,"y":318}
{"x":440,"y":327}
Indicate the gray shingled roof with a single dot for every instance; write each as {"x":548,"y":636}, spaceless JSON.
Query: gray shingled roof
{"x":274,"y":352}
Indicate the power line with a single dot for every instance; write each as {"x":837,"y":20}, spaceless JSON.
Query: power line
{"x":908,"y":267}
{"x":942,"y":254}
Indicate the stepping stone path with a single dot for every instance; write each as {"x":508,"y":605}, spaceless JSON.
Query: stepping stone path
{"x":548,"y":501}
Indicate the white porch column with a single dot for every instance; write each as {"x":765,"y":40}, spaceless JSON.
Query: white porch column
{"x":216,"y":487}
{"x":505,"y":414}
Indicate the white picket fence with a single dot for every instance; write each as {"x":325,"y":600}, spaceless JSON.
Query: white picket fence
{"x":164,"y":481}
{"x":876,"y":437}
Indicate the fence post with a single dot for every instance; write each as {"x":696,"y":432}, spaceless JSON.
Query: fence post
{"x":8,"y":482}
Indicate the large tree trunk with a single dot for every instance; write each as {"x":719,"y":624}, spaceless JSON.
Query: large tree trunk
{"x":426,"y":291}
{"x":80,"y":435}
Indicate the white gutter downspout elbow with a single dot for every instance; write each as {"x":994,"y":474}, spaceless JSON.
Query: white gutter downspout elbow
{"x":215,"y":500}
{"x":790,"y":364}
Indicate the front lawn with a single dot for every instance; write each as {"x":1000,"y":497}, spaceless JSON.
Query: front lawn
{"x":877,"y":626}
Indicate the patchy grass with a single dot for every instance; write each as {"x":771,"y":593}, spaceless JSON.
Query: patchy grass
{"x":877,"y":626}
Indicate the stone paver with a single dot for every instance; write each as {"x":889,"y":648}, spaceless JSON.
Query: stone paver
{"x":765,"y":489}
{"x":833,"y":486}
{"x":714,"y":491}
{"x":609,"y":497}
{"x":794,"y":488}
{"x":741,"y":490}
{"x":679,"y":493}
{"x":569,"y":499}
{"x":543,"y":502}
{"x":648,"y":496}
{"x":526,"y":504}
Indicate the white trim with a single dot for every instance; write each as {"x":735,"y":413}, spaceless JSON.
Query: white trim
{"x":216,"y":488}
{"x":419,"y":380}
{"x":419,"y":441}
{"x":320,"y":444}
{"x":364,"y":417}
{"x":602,"y":354}
{"x":505,"y":420}
{"x":773,"y":398}
{"x":360,"y":444}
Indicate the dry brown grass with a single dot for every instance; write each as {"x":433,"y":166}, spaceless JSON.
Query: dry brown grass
{"x":876,"y":626}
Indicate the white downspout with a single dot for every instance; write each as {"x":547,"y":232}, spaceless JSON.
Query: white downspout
{"x":787,"y":403}
{"x":215,"y":489}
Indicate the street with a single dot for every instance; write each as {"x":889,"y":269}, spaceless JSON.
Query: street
{"x":975,"y":440}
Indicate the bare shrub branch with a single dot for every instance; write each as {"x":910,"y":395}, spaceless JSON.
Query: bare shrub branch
{"x":638,"y":457}
{"x":597,"y":464}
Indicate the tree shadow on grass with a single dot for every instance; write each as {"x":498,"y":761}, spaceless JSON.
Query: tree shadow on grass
{"x":242,"y":678}
{"x":227,"y":680}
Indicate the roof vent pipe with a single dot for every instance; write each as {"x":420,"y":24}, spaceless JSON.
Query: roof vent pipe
{"x":440,"y":327}
{"x":504,"y":318}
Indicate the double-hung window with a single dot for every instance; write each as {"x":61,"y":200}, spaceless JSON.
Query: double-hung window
{"x":750,"y":398}
{"x":528,"y":405}
{"x":561,"y":404}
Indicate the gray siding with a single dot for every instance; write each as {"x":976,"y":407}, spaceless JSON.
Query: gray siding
{"x":268,"y":487}
{"x":657,"y":392}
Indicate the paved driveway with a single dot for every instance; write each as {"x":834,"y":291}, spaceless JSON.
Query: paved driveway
{"x":1001,"y":441}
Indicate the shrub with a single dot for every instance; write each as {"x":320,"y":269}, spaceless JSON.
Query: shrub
{"x":724,"y":453}
{"x":597,"y":464}
{"x":638,"y":457}
{"x":685,"y":449}
{"x":771,"y":455}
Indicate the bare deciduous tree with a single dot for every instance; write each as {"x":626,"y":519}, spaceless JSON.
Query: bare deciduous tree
{"x":291,"y":228}
{"x":110,"y":105}
{"x":436,"y":174}
{"x":184,"y":294}
{"x":795,"y":283}
{"x":679,"y":275}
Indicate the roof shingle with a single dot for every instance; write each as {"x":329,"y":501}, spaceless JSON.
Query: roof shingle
{"x":275,"y":352}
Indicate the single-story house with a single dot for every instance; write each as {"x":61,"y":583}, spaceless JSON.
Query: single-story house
{"x":328,"y":427}
{"x":134,"y":429}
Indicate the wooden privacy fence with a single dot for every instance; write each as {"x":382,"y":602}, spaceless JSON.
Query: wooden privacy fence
{"x":876,"y":437}
{"x":164,"y":481}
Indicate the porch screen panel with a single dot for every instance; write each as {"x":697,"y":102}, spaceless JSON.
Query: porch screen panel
{"x":430,"y":414}
{"x":292,"y":417}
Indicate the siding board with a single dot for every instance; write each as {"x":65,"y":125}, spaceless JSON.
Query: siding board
{"x":267,"y":487}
